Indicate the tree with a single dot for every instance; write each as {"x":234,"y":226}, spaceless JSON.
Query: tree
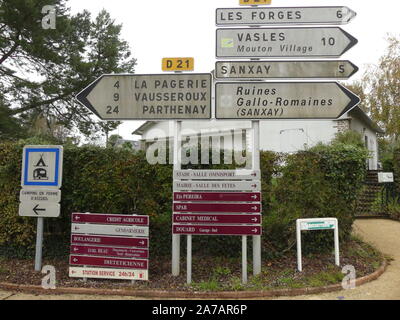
{"x":41,"y":70}
{"x":382,"y":87}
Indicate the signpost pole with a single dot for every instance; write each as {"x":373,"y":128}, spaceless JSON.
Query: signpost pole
{"x":336,"y":236}
{"x":298,"y":236}
{"x":256,"y":166}
{"x":176,"y":238}
{"x":189,"y":259}
{"x":39,"y":244}
{"x":244,"y":259}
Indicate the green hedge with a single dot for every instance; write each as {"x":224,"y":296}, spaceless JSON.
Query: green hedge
{"x":320,"y":182}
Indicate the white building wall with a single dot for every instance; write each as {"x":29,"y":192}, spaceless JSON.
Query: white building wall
{"x":370,"y":136}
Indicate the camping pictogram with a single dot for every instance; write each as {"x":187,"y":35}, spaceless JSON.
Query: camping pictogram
{"x":40,"y":173}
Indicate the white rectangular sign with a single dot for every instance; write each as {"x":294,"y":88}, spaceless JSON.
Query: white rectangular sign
{"x":108,"y":273}
{"x":318,"y":224}
{"x":385,"y":177}
{"x":40,"y":195}
{"x":286,"y":15}
{"x":39,"y":209}
{"x":338,"y":69}
{"x":101,"y":229}
{"x":240,"y":174}
{"x":283,"y":42}
{"x":217,"y":185}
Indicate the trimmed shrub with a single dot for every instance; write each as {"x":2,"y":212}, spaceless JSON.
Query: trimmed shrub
{"x":320,"y":182}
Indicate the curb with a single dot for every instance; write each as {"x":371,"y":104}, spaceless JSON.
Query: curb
{"x":193,"y":295}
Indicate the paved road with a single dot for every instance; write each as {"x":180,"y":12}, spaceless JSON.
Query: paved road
{"x":383,"y":234}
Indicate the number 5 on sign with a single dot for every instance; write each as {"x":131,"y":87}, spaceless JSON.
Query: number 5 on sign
{"x":253,"y":2}
{"x":177,"y":64}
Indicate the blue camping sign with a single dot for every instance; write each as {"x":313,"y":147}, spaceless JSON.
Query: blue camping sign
{"x":42,"y":166}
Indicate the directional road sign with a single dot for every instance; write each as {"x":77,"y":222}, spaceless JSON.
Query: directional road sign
{"x":216,"y":230}
{"x":285,"y":69}
{"x":110,"y":219}
{"x":241,"y":174}
{"x":149,"y":97}
{"x":286,"y":15}
{"x":218,"y":196}
{"x":217,"y":207}
{"x":108,"y":273}
{"x":217,"y":185}
{"x":42,"y":166}
{"x":110,"y":251}
{"x":39,"y":209}
{"x":217,"y":218}
{"x":109,"y":241}
{"x":110,"y":230}
{"x":282,"y":42}
{"x":108,"y":262}
{"x":290,"y":100}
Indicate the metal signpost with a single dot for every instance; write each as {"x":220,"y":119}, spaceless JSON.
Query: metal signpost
{"x":41,"y":179}
{"x":149,"y":97}
{"x":123,"y":256}
{"x":316,"y":224}
{"x":257,"y":100}
{"x":219,"y":202}
{"x":229,"y":213}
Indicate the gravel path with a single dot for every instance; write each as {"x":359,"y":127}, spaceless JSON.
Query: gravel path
{"x":383,"y":234}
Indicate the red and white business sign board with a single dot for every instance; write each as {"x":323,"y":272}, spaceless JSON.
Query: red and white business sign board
{"x":109,"y":246}
{"x":217,"y":213}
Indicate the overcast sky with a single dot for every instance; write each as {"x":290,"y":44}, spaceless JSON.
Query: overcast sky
{"x":186,"y":28}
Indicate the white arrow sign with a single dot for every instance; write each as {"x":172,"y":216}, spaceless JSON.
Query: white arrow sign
{"x":39,"y":209}
{"x":285,"y":69}
{"x":149,"y":97}
{"x":282,"y":42}
{"x":291,"y":100}
{"x":101,"y":229}
{"x":217,"y":186}
{"x":108,"y":273}
{"x":286,"y":15}
{"x":217,"y":174}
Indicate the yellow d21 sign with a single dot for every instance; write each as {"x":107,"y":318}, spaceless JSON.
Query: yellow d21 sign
{"x":177,"y":64}
{"x":253,"y":2}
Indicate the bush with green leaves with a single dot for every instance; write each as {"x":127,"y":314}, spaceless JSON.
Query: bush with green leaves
{"x":321,"y":182}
